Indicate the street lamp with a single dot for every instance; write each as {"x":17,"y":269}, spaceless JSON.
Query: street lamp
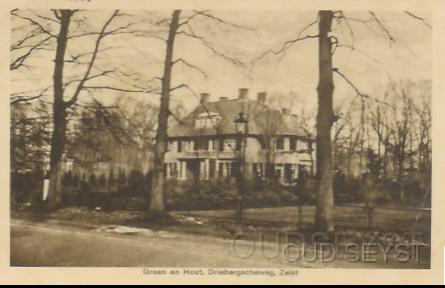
{"x":241,"y":123}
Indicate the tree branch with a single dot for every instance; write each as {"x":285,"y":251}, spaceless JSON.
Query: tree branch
{"x":103,"y":73}
{"x":209,"y":46}
{"x":24,"y":98}
{"x":391,"y":39}
{"x":178,"y":87}
{"x":350,"y":83}
{"x":37,"y":24}
{"x":181,"y":60}
{"x":46,"y":18}
{"x":102,"y":34}
{"x":418,"y":18}
{"x":285,"y":47}
{"x":119,"y":89}
{"x":357,"y":91}
{"x":353,"y":48}
{"x":19,"y":61}
{"x":289,"y":43}
{"x":218,"y":20}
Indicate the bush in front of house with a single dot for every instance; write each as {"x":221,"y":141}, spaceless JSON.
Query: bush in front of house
{"x":417,"y":190}
{"x":199,"y":195}
{"x":346,"y":190}
{"x":223,"y":194}
{"x":106,"y":191}
{"x":132,"y":194}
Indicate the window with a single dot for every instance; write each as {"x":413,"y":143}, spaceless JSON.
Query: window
{"x":288,"y":173}
{"x":293,"y":144}
{"x":207,"y":120}
{"x":303,"y":145}
{"x":229,"y":145}
{"x":280,"y":143}
{"x":193,"y":145}
{"x":263,"y":143}
{"x":179,"y":146}
{"x":233,"y":168}
{"x":203,"y":144}
{"x":221,"y":169}
{"x":221,"y":144}
{"x":211,"y":145}
{"x":172,"y":170}
{"x":305,"y":170}
{"x":227,"y":168}
{"x":278,"y":172}
{"x":259,"y":170}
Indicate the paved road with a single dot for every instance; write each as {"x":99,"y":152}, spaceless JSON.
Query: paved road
{"x":48,"y":244}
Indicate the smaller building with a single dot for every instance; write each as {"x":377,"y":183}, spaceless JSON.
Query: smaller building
{"x":205,"y":144}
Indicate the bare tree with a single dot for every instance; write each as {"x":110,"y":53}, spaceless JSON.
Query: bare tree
{"x":157,"y":188}
{"x":177,"y":26}
{"x":60,"y":32}
{"x":403,"y":126}
{"x":325,"y":117}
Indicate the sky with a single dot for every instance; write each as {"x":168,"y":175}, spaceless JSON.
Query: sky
{"x":369,"y":66}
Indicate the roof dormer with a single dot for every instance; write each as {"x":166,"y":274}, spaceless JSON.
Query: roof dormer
{"x":207,"y":120}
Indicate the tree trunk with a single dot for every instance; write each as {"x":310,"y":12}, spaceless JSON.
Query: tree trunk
{"x":59,"y":114}
{"x":324,"y":210}
{"x":157,"y":187}
{"x":400,"y":176}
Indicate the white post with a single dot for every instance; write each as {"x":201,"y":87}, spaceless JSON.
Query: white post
{"x":45,"y":189}
{"x":182,"y":170}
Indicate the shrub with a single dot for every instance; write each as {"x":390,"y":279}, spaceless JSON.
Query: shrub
{"x":27,"y":186}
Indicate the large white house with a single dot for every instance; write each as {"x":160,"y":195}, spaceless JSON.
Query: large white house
{"x":204,"y":144}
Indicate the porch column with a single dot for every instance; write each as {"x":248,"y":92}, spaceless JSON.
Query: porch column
{"x":296,"y":170}
{"x":178,"y":171}
{"x":207,"y":169}
{"x":183,"y":170}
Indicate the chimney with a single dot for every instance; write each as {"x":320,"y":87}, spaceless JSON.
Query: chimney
{"x":205,"y":98}
{"x":223,"y":98}
{"x":285,"y":111}
{"x":261,"y":97}
{"x":243,"y":93}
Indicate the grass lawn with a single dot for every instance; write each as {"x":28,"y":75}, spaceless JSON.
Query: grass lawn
{"x":353,"y":217}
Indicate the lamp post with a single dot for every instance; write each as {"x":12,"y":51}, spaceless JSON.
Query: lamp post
{"x":241,"y":123}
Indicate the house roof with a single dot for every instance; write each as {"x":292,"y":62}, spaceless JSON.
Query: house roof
{"x":263,"y":120}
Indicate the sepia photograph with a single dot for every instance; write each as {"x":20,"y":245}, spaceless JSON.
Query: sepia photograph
{"x":220,"y":142}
